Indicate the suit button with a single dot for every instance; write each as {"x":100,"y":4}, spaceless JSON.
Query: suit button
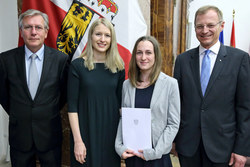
{"x":202,"y":110}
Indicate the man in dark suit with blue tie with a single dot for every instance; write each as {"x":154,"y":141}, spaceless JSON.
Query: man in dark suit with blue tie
{"x":214,"y":83}
{"x":33,"y":90}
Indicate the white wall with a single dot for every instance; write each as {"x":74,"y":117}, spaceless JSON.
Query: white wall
{"x":8,"y":28}
{"x":241,"y":20}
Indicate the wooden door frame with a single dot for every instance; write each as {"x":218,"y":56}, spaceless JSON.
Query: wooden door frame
{"x":162,"y":16}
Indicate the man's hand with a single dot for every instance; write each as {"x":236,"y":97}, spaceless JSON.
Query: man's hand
{"x":237,"y":160}
{"x":173,"y":151}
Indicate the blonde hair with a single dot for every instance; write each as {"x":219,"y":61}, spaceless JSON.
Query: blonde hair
{"x":134,"y":71}
{"x":204,"y":9}
{"x":113,"y":60}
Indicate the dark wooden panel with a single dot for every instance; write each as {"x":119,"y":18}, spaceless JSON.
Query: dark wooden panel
{"x":182,"y":28}
{"x":162,"y":30}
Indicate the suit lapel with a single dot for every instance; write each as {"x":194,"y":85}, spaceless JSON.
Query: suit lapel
{"x":47,"y":62}
{"x":159,"y":85}
{"x":218,"y":66}
{"x":195,"y":67}
{"x":20,"y":63}
{"x":132,"y":95}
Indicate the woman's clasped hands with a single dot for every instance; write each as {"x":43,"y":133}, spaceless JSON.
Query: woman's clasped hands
{"x":130,"y":153}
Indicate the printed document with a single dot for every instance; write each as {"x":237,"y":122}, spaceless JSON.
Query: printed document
{"x":136,"y":128}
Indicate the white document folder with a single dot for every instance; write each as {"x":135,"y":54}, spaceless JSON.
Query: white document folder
{"x":136,"y":128}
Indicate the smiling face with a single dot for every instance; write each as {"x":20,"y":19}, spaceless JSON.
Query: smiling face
{"x":145,"y":56}
{"x":209,"y":34}
{"x":101,"y":39}
{"x":33,"y":32}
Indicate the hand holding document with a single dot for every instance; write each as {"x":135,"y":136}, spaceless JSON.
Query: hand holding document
{"x":136,"y":128}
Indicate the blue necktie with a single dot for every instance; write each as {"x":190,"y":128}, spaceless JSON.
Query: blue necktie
{"x":205,"y":71}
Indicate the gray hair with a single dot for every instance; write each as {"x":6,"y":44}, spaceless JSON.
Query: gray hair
{"x":33,"y":12}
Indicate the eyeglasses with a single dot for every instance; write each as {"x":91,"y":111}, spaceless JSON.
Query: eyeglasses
{"x":29,"y":28}
{"x":209,"y":26}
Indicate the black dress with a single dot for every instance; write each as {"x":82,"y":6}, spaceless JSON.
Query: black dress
{"x":143,"y":100}
{"x":96,"y":96}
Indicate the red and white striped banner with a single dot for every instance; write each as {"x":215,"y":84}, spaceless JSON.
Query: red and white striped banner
{"x":71,"y":19}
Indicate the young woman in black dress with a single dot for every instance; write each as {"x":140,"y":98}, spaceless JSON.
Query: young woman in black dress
{"x":94,"y":97}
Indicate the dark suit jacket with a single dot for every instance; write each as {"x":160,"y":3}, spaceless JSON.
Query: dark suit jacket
{"x":222,"y":117}
{"x":35,"y":121}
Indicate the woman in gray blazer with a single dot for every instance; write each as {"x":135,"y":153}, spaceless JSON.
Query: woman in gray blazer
{"x":148,"y":87}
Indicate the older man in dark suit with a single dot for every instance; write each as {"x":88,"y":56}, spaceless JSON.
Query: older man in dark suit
{"x":214,"y":82}
{"x":33,"y":92}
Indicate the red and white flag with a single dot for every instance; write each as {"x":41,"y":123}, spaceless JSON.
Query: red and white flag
{"x":232,"y":41}
{"x":71,"y":19}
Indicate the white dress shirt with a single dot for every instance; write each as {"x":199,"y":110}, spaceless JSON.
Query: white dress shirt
{"x":39,"y":61}
{"x":212,"y":55}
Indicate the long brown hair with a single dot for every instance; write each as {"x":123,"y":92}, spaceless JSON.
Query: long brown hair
{"x":134,"y":71}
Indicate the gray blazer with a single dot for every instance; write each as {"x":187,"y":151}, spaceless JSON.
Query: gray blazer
{"x":165,"y":116}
